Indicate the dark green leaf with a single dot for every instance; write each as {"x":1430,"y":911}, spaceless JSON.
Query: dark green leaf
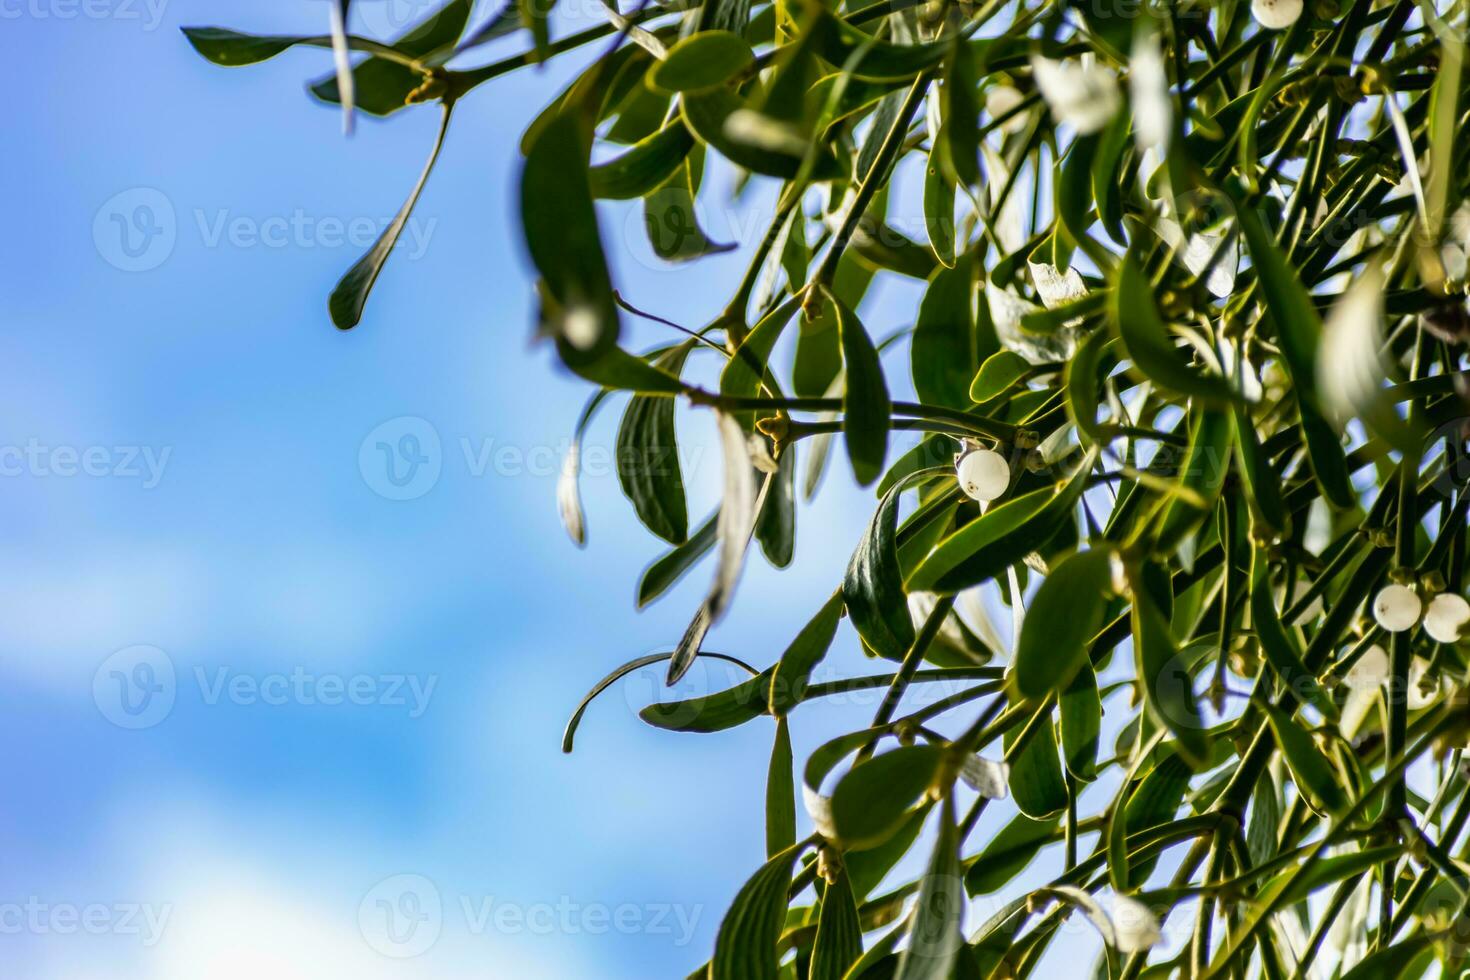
{"x":1149,"y":344}
{"x":645,"y":166}
{"x":873,"y":587}
{"x":945,"y":348}
{"x":1004,"y":536}
{"x":562,"y":236}
{"x":780,"y":794}
{"x":1164,"y":675}
{"x":745,"y":948}
{"x":1080,"y":723}
{"x":1036,"y":773}
{"x":382,"y":86}
{"x":348,"y":299}
{"x":1000,"y":371}
{"x":935,"y":938}
{"x":839,"y":940}
{"x":865,"y":401}
{"x":1316,"y":779}
{"x":714,"y":712}
{"x":872,"y":801}
{"x":1008,"y":852}
{"x":648,"y":458}
{"x":701,"y":61}
{"x":793,"y":672}
{"x":1064,"y":615}
{"x":670,"y":567}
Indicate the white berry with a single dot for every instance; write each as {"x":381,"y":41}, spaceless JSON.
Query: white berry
{"x":1446,"y":617}
{"x":1275,"y":15}
{"x":1397,"y":608}
{"x":983,"y":474}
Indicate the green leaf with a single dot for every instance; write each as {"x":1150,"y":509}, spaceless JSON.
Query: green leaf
{"x":615,"y":368}
{"x":1108,"y":176}
{"x":742,"y":375}
{"x":780,"y":794}
{"x":935,"y":938}
{"x":1064,"y":615}
{"x":867,"y":868}
{"x":701,"y":61}
{"x":839,"y":940}
{"x":382,"y":86}
{"x":1279,"y":646}
{"x":1154,"y":803}
{"x":1261,"y":482}
{"x":1299,"y":332}
{"x":1315,"y":777}
{"x":838,"y":41}
{"x":708,"y":115}
{"x":714,"y":712}
{"x":351,"y":294}
{"x":1396,"y":962}
{"x":1201,"y":478}
{"x":1080,"y":723}
{"x":872,"y":801}
{"x":793,"y":671}
{"x":669,"y":568}
{"x":775,"y":525}
{"x":1007,"y":853}
{"x":946,"y":347}
{"x":1298,"y":883}
{"x":641,"y":169}
{"x":865,"y":405}
{"x":939,"y":195}
{"x":745,"y":948}
{"x":1082,"y":380}
{"x":984,"y":548}
{"x":231,"y":49}
{"x":617,"y":674}
{"x":1149,"y":344}
{"x":962,"y":113}
{"x":562,"y":236}
{"x":1165,"y":678}
{"x":1036,"y":773}
{"x":873,"y":589}
{"x":648,"y":458}
{"x":670,"y":218}
{"x":1000,"y":371}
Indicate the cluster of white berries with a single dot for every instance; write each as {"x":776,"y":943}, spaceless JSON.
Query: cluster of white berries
{"x":1398,"y":608}
{"x":984,"y":474}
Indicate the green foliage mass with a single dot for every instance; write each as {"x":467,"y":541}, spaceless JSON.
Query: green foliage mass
{"x":1189,"y":386}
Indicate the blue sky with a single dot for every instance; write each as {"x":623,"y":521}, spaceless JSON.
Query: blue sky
{"x":367,"y":694}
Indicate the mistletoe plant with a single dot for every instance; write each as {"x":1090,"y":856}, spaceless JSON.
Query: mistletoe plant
{"x":1189,"y":393}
